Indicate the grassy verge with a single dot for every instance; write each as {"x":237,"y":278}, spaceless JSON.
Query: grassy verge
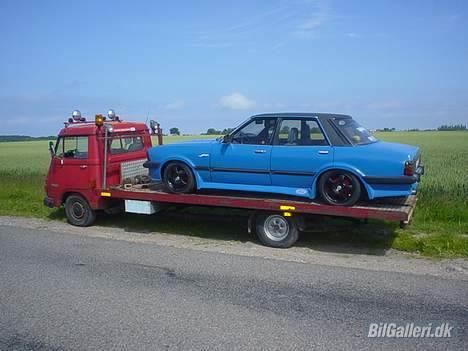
{"x":439,"y":227}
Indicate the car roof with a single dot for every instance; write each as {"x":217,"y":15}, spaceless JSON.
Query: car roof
{"x":319,"y":115}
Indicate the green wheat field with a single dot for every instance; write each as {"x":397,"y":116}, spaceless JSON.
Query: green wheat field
{"x":439,"y":227}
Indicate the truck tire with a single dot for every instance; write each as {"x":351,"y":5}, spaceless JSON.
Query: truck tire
{"x":275,"y":230}
{"x":78,"y":211}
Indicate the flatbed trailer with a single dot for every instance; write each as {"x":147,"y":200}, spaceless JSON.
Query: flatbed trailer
{"x":286,"y":213}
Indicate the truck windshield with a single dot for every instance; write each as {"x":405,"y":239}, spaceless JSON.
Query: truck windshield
{"x":357,"y":134}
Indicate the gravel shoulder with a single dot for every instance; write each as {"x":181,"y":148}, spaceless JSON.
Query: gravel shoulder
{"x":391,"y":261}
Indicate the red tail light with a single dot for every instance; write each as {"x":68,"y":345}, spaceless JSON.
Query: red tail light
{"x":409,"y":168}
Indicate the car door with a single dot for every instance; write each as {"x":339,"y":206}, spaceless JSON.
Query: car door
{"x":300,"y":149}
{"x":245,"y":157}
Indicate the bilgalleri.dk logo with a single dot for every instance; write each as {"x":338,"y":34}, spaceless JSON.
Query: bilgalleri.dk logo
{"x":409,"y":330}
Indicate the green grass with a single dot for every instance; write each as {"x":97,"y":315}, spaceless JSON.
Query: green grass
{"x":439,"y":227}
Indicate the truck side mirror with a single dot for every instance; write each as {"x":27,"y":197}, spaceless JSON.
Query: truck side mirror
{"x":51,"y":148}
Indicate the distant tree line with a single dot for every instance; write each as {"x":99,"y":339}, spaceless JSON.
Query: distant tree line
{"x":7,"y":138}
{"x":213,"y":131}
{"x":174,"y":131}
{"x":451,"y":127}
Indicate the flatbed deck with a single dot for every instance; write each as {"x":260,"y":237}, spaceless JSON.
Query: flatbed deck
{"x":399,"y":209}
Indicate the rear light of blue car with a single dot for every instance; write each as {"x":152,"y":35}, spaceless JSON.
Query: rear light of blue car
{"x":410,"y":167}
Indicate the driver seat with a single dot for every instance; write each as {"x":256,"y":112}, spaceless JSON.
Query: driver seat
{"x":293,"y":136}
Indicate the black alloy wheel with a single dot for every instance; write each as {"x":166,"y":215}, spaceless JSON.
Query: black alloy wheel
{"x":339,"y":188}
{"x":178,"y":178}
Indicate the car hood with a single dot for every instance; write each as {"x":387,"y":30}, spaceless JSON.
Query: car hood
{"x":196,"y":141}
{"x":403,"y":151}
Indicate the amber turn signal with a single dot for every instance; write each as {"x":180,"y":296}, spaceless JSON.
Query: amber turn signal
{"x":99,"y":119}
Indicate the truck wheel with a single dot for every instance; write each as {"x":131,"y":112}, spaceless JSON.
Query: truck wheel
{"x":339,"y":188}
{"x":275,"y":230}
{"x":78,"y":211}
{"x":178,"y":178}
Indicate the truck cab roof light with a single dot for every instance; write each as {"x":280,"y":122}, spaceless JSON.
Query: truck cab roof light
{"x":99,"y":120}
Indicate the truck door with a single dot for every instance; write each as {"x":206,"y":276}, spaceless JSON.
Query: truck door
{"x":69,"y":169}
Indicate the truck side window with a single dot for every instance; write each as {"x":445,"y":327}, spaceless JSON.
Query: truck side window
{"x":121,"y":145}
{"x":72,"y":147}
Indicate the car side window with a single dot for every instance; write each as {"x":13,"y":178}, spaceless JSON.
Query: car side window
{"x":300,"y":132}
{"x":256,"y":132}
{"x":72,"y":147}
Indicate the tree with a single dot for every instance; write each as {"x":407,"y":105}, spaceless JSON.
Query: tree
{"x":452,"y":127}
{"x":174,"y":131}
{"x":227,"y":131}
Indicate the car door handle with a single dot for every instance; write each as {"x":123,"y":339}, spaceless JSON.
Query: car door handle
{"x":260,"y":151}
{"x":83,"y":166}
{"x":323,"y":152}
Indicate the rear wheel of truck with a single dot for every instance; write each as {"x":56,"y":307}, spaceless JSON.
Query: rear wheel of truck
{"x":275,"y":230}
{"x":78,"y":211}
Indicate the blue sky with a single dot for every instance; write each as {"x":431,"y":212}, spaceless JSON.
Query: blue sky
{"x":201,"y":64}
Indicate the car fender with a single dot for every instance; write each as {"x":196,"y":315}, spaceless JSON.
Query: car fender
{"x":187,"y":161}
{"x":346,"y":167}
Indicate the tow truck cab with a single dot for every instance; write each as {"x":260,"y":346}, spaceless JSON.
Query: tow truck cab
{"x":78,"y":158}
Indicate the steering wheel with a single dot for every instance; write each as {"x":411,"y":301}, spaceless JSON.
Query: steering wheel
{"x":70,"y":153}
{"x":241,"y":137}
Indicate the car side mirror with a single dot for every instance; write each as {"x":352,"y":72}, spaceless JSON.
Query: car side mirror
{"x":227,"y":139}
{"x":51,"y":148}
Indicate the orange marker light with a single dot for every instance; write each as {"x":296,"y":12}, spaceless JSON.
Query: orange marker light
{"x":99,"y":119}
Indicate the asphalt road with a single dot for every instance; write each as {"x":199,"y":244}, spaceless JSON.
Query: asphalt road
{"x":75,"y":292}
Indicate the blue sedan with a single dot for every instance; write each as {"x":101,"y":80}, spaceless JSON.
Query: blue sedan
{"x":312,"y":155}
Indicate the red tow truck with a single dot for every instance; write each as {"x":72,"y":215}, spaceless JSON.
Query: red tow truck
{"x":98,"y":166}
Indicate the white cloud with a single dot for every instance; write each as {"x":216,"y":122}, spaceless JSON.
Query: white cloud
{"x":236,"y":101}
{"x":311,"y":24}
{"x":352,"y":35}
{"x":309,"y":28}
{"x":175,"y":105}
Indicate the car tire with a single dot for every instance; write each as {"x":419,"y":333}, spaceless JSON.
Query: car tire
{"x":275,"y":230}
{"x":339,"y":188}
{"x":79,"y":212}
{"x":178,"y":178}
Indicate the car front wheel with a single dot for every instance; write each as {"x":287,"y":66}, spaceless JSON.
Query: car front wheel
{"x":178,"y":178}
{"x":339,"y":188}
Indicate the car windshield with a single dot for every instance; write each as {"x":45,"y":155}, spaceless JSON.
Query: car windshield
{"x":357,"y":134}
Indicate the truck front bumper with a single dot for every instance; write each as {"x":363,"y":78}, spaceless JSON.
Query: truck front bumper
{"x":49,"y":202}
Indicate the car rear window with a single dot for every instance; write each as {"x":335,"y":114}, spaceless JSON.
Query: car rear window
{"x":354,"y":132}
